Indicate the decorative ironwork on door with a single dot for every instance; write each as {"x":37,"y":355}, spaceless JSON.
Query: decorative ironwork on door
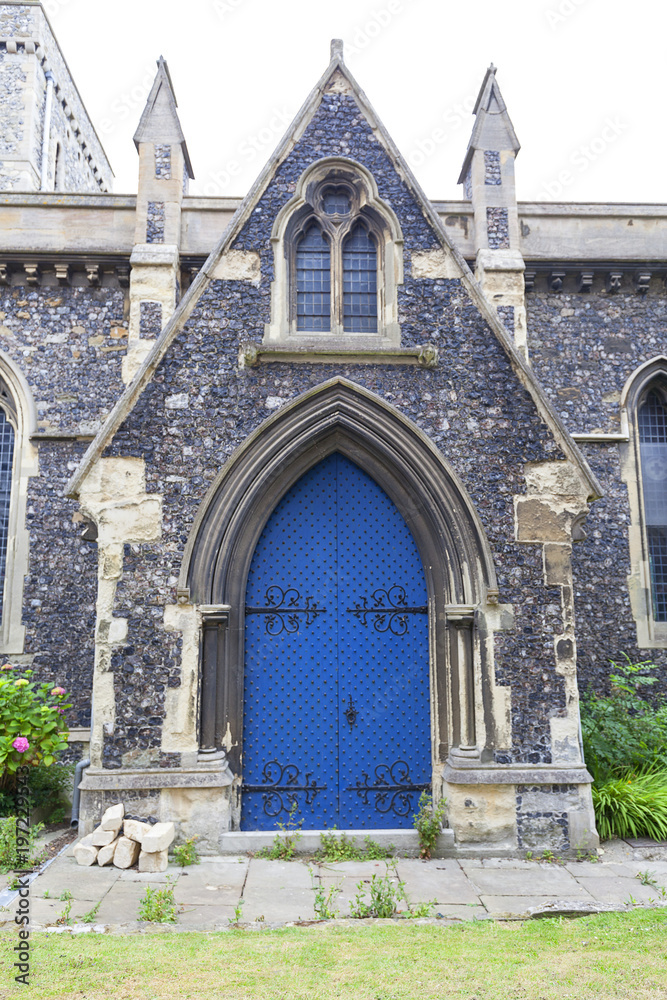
{"x":336,"y":691}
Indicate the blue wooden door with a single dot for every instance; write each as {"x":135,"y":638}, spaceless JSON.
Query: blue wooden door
{"x":336,"y":692}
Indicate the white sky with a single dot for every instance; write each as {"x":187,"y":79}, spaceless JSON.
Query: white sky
{"x":581,"y":79}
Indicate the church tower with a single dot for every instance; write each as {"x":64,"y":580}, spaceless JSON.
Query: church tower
{"x":47,"y":140}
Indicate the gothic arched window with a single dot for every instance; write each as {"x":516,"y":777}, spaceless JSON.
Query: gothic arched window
{"x":652,"y":428}
{"x":338,"y":256}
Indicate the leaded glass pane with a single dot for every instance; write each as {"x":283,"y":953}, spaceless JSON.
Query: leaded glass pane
{"x":313,"y":282}
{"x":652,"y":419}
{"x":360,"y":305}
{"x":336,"y":202}
{"x":6,"y":465}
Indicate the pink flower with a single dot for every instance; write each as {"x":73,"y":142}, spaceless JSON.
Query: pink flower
{"x":21,"y":744}
{"x":58,"y":691}
{"x":21,"y":682}
{"x":6,"y":666}
{"x":61,"y":711}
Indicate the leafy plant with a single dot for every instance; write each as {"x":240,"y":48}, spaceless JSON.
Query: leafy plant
{"x":158,"y":905}
{"x":376,"y":852}
{"x":647,"y":878}
{"x":19,"y":857}
{"x":284,"y":848}
{"x":49,"y":788}
{"x":323,"y":904}
{"x":385,"y":891}
{"x":91,"y":916}
{"x":238,"y":913}
{"x":633,"y":805}
{"x":421,"y":909}
{"x":64,"y":917}
{"x":186,"y":854}
{"x":337,"y":847}
{"x":65,"y":895}
{"x":623,"y":731}
{"x":32,"y":724}
{"x":428,"y":823}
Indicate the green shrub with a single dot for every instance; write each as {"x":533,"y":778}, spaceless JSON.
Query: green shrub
{"x":13,"y":856}
{"x":622,"y":732}
{"x":632,"y":805}
{"x":428,"y":823}
{"x":33,"y":729}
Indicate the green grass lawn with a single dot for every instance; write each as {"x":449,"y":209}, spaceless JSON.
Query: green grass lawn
{"x":608,"y":956}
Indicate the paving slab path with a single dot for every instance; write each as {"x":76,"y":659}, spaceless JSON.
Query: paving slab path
{"x":225,"y":890}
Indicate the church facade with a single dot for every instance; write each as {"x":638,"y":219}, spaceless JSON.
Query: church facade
{"x":324,"y":497}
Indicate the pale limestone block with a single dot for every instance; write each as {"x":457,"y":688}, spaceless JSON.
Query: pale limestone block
{"x":106,"y":854}
{"x":85,"y":852}
{"x":158,"y":838}
{"x":435,"y":264}
{"x":113,"y":818}
{"x":127,"y":852}
{"x":102,"y":838}
{"x":239,"y":265}
{"x":153,"y":861}
{"x":134,"y":829}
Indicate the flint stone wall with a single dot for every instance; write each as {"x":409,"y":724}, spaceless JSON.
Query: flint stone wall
{"x":69,"y":343}
{"x":486,"y":427}
{"x":583,"y":348}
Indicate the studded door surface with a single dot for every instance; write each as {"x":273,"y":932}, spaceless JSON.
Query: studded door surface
{"x":336,"y":696}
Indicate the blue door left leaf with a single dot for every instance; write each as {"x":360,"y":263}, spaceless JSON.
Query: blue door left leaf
{"x":336,"y":691}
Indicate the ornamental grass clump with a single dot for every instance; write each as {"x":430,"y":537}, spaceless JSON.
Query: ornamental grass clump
{"x":632,"y":806}
{"x":33,"y":729}
{"x":625,"y":747}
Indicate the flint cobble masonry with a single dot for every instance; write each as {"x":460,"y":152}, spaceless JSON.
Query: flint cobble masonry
{"x":184,"y":448}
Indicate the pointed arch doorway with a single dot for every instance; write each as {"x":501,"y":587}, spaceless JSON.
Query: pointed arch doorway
{"x":336,"y":678}
{"x":340,"y":417}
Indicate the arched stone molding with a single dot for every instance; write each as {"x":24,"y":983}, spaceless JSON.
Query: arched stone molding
{"x":650,"y":634}
{"x":380,"y":219}
{"x":340,"y":416}
{"x":19,"y":406}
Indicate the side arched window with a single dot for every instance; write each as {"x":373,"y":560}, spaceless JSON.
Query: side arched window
{"x":652,"y":428}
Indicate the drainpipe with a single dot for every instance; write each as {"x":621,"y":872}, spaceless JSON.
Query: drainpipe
{"x":78,"y":774}
{"x":47,"y":129}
